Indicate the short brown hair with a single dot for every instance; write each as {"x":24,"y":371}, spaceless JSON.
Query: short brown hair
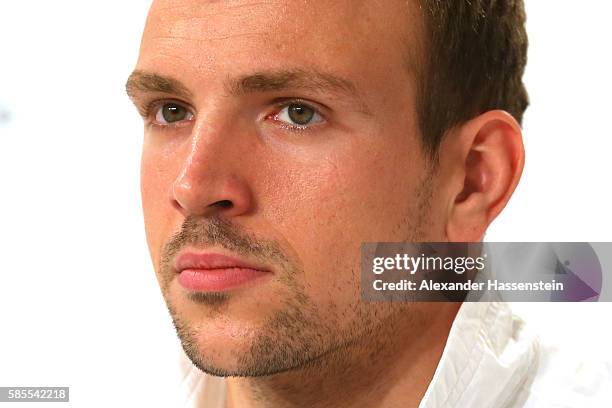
{"x":475,"y":56}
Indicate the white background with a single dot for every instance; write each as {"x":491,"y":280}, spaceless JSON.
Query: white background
{"x":79,"y":304}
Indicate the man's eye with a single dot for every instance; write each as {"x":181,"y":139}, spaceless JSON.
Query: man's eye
{"x":170,"y":113}
{"x":297,"y":114}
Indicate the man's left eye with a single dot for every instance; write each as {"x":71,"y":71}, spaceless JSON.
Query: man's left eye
{"x":299,"y":115}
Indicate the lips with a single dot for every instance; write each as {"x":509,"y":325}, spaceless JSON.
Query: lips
{"x":213,"y":272}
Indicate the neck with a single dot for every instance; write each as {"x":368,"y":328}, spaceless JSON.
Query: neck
{"x":394,"y":371}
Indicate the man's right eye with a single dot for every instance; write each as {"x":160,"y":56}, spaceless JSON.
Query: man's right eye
{"x":172,"y":112}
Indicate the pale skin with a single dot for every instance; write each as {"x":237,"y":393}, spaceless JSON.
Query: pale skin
{"x":353,"y":174}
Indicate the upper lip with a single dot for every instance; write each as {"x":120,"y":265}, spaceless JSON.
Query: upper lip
{"x":211,"y":260}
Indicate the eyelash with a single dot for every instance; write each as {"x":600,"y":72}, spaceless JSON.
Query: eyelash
{"x":151,"y":108}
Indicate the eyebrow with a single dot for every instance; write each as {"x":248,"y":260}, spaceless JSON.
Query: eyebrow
{"x":140,"y":81}
{"x":271,"y":81}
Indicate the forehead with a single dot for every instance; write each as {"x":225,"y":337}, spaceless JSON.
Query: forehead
{"x":347,"y":36}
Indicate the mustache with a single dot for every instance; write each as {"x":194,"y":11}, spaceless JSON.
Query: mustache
{"x":216,"y":231}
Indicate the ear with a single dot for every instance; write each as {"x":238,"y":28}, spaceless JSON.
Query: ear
{"x":486,"y":163}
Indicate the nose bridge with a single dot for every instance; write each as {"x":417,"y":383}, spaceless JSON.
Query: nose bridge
{"x":200,"y":159}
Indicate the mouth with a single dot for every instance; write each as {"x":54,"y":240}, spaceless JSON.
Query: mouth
{"x":215,"y":272}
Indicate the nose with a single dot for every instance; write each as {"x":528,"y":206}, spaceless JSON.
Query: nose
{"x":211,"y":180}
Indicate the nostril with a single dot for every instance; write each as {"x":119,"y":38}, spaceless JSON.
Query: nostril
{"x":224,"y":204}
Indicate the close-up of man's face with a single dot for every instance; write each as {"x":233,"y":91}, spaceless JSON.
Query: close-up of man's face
{"x":280,"y":136}
{"x":306,"y":203}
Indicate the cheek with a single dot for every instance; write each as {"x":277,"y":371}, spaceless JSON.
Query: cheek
{"x":327,"y":209}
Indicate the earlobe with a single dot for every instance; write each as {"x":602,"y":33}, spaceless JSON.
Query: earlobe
{"x":490,"y":162}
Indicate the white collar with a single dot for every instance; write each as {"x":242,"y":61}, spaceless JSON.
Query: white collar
{"x":489,"y":360}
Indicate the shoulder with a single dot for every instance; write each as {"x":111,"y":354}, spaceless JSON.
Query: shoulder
{"x":569,"y":375}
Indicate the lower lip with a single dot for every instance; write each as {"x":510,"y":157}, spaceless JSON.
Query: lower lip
{"x":217,"y":280}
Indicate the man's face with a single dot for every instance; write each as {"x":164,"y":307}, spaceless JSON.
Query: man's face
{"x":291,"y":139}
